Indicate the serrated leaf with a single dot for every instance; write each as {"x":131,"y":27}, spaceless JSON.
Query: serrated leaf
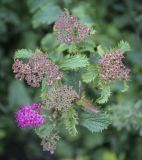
{"x":100,"y":50}
{"x":45,"y":130}
{"x":88,"y":44}
{"x":90,"y":74}
{"x":105,"y":94}
{"x":73,"y":62}
{"x":44,"y":90}
{"x":124,"y":46}
{"x":23,"y":53}
{"x":95,"y":122}
{"x":70,"y":120}
{"x":73,"y":49}
{"x":46,"y":15}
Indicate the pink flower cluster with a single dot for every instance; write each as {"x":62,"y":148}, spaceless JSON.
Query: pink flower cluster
{"x":61,"y":98}
{"x":112,"y":67}
{"x":49,"y":143}
{"x":38,"y":67}
{"x":29,"y":116}
{"x":69,"y":30}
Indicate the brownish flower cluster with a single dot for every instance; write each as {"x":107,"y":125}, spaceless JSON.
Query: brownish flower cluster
{"x":112,"y":67}
{"x":69,"y":30}
{"x":37,"y":68}
{"x":49,"y":143}
{"x":61,"y":98}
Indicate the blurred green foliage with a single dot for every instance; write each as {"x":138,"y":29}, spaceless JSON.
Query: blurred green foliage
{"x":28,"y":24}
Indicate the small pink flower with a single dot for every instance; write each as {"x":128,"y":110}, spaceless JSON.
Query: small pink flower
{"x":29,"y":116}
{"x":61,"y":98}
{"x":68,"y":29}
{"x":112,"y":67}
{"x":37,"y":68}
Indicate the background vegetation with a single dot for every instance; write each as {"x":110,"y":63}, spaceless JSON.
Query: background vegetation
{"x":28,"y":24}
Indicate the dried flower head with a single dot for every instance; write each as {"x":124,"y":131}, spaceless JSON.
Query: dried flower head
{"x":37,"y":68}
{"x":69,"y":30}
{"x":29,"y":116}
{"x":112,"y":67}
{"x":49,"y":143}
{"x":20,"y":69}
{"x":60,"y":98}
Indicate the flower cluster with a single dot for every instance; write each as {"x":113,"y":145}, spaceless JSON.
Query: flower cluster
{"x":38,"y":67}
{"x":29,"y":116}
{"x":112,"y":67}
{"x":60,"y":98}
{"x":69,"y":30}
{"x":49,"y":143}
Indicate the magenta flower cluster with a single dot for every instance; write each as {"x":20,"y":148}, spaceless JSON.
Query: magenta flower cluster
{"x":69,"y":30}
{"x":37,"y":68}
{"x":112,"y":67}
{"x":29,"y":116}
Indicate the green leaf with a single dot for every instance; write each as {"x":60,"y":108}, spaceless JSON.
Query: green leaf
{"x":100,"y":50}
{"x":88,"y":45}
{"x":3,"y":134}
{"x":87,"y":48}
{"x":81,"y":12}
{"x":18,"y":94}
{"x":110,"y":155}
{"x":124,"y":46}
{"x":73,"y":62}
{"x":23,"y":53}
{"x":49,"y":43}
{"x":70,"y":121}
{"x":95,"y":122}
{"x":90,"y":74}
{"x":46,"y":15}
{"x":127,"y":115}
{"x":73,"y":49}
{"x":44,"y":90}
{"x":62,"y":47}
{"x":34,"y":5}
{"x":45,"y":130}
{"x":105,"y":94}
{"x":126,"y":87}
